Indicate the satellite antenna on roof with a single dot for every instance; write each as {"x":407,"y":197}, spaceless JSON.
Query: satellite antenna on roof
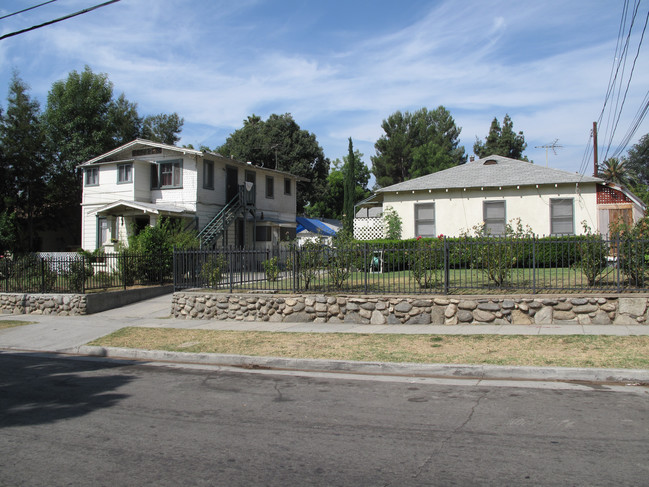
{"x":554,"y":146}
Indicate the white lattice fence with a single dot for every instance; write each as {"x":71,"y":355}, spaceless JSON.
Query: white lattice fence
{"x":369,"y":228}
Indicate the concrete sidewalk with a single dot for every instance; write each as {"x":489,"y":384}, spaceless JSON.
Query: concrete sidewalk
{"x":59,"y":334}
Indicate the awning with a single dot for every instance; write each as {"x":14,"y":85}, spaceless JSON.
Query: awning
{"x":314,"y":226}
{"x":129,"y":208}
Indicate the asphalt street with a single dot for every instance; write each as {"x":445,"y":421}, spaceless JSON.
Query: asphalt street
{"x":105,"y":422}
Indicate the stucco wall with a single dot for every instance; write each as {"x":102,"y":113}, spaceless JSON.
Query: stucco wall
{"x":458,"y":210}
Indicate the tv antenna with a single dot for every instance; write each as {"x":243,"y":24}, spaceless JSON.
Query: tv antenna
{"x":554,"y":146}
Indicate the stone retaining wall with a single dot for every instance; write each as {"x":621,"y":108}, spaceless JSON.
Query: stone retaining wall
{"x":75,"y":304}
{"x":379,"y":310}
{"x":43,"y":304}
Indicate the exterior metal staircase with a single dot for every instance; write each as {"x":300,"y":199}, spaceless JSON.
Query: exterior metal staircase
{"x":237,"y":206}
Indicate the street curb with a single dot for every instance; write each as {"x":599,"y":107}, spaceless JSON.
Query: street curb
{"x":464,"y":371}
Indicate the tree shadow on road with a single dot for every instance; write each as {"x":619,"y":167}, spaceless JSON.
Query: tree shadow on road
{"x":38,"y":390}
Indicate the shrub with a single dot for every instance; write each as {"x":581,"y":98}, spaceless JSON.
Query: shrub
{"x":499,"y":254}
{"x":393,"y":223}
{"x":77,"y":273}
{"x":213,"y":269}
{"x":271,"y":268}
{"x":633,"y":250}
{"x":29,"y":272}
{"x":104,"y":279}
{"x":592,"y":251}
{"x":426,"y":260}
{"x":309,"y":260}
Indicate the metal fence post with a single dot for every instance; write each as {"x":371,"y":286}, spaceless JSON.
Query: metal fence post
{"x":617,"y":263}
{"x":173,"y":267}
{"x":533,"y":264}
{"x":366,"y":267}
{"x":83,"y":274}
{"x":230,"y":254}
{"x":447,"y":265}
{"x":42,"y":274}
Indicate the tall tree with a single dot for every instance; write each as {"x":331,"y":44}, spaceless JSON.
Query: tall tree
{"x":331,"y":205}
{"x":637,"y":159}
{"x":416,"y":144}
{"x":280,"y":143}
{"x":163,"y":128}
{"x":502,"y":141}
{"x":349,"y":193}
{"x":23,"y":142}
{"x":125,"y":122}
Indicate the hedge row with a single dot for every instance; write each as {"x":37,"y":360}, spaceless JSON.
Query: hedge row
{"x":540,"y":252}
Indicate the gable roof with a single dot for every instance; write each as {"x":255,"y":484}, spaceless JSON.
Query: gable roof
{"x":489,"y":172}
{"x":148,"y":143}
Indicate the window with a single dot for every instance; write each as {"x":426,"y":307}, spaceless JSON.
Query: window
{"x":167,"y":174}
{"x":102,"y":231}
{"x":287,"y":186}
{"x":270,"y":189}
{"x":125,"y":173}
{"x":263,"y":234}
{"x":425,"y":220}
{"x":208,"y":175}
{"x":92,"y":176}
{"x":494,"y":217}
{"x":562,"y":216}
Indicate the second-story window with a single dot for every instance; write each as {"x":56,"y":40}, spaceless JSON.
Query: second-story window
{"x":270,"y":187}
{"x":125,"y":173}
{"x":287,"y":186}
{"x":167,"y":174}
{"x":208,"y":175}
{"x":92,"y":176}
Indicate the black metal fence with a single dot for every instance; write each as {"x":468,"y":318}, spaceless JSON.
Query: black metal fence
{"x":434,"y":266}
{"x":80,"y":273}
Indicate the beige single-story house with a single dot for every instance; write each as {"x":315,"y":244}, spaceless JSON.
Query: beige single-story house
{"x":496,"y":190}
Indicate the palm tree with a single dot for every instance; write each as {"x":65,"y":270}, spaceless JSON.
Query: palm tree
{"x":615,"y":171}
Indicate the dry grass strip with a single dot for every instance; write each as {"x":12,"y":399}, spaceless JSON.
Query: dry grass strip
{"x":561,"y":351}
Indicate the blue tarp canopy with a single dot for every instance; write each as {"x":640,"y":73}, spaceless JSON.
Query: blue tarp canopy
{"x":314,"y":226}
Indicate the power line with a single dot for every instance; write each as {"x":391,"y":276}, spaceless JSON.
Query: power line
{"x":630,"y":134}
{"x":26,"y":9}
{"x":84,"y":11}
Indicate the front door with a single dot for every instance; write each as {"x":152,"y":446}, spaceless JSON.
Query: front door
{"x":231,"y":183}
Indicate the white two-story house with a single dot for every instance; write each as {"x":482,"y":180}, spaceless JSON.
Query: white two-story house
{"x":231,"y":203}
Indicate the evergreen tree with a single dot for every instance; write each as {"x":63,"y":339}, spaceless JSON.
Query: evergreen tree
{"x":26,"y":168}
{"x":502,"y":141}
{"x":416,"y":144}
{"x":350,"y":184}
{"x":280,"y":143}
{"x":637,"y":159}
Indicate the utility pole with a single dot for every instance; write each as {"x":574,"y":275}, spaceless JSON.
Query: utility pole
{"x":595,"y":161}
{"x":554,"y":146}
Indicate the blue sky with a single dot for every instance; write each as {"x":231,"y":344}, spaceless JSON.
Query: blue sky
{"x":340,"y":68}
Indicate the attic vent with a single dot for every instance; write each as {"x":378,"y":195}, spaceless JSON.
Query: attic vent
{"x":490,"y":162}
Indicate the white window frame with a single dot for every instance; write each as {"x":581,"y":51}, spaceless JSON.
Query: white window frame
{"x":491,"y":222}
{"x":556,"y":220}
{"x":425,"y":221}
{"x":162,"y":168}
{"x":124,"y":173}
{"x":91,"y":176}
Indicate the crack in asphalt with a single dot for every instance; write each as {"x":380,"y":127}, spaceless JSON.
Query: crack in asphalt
{"x":441,"y":444}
